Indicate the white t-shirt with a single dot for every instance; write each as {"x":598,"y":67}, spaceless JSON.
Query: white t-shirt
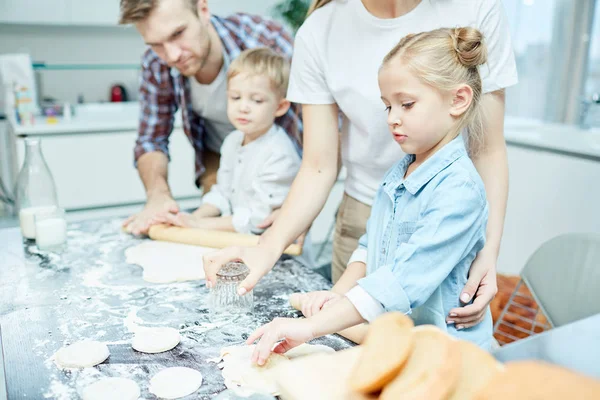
{"x":338,"y":52}
{"x":210,"y":102}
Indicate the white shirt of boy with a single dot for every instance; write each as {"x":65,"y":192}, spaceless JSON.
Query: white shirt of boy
{"x":337,"y":55}
{"x":254,"y":179}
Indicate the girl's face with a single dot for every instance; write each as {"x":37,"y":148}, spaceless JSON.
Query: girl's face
{"x":419,"y":116}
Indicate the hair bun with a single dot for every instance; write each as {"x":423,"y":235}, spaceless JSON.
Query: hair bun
{"x":470,"y":48}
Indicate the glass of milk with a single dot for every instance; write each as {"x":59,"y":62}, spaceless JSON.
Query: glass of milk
{"x":50,"y":229}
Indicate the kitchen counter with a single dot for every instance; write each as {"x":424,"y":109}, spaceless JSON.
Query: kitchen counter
{"x":89,"y":292}
{"x":89,"y":118}
{"x":575,"y":346}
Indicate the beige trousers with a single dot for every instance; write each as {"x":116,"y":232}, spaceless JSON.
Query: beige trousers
{"x":350,"y":225}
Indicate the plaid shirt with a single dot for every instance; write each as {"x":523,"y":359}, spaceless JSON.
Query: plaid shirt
{"x":163,"y":89}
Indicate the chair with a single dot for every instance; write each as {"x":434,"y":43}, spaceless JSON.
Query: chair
{"x":563,"y":278}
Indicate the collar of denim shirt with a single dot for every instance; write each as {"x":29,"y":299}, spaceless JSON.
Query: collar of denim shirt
{"x":424,"y":173}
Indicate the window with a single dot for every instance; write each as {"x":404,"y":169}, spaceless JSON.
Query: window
{"x":557,"y":50}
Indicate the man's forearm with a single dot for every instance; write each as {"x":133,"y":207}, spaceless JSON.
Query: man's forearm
{"x":492,"y":165}
{"x":153,"y":170}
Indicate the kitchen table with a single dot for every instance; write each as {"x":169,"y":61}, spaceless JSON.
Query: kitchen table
{"x":90,"y":292}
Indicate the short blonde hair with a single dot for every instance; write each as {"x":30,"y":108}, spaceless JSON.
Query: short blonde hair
{"x":266,"y":62}
{"x":445,"y":58}
{"x":134,"y":11}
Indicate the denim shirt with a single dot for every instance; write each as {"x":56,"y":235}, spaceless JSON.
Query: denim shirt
{"x":422,"y":236}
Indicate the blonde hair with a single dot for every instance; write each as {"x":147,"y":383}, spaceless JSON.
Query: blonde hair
{"x":315,"y":5}
{"x":263,"y":61}
{"x":444,"y":58}
{"x":133,"y":11}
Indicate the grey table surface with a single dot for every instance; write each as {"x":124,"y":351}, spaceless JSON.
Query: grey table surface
{"x":90,"y":292}
{"x":575,"y":346}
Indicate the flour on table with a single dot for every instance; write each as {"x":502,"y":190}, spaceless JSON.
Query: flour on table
{"x":166,"y":262}
{"x":155,"y":340}
{"x":83,"y":354}
{"x":175,"y":382}
{"x":112,"y":388}
{"x":239,"y":371}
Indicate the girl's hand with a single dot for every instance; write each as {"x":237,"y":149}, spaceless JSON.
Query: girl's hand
{"x":311,"y":303}
{"x":292,"y":332}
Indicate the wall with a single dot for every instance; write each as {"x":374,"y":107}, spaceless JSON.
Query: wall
{"x":550,"y":194}
{"x":72,"y":44}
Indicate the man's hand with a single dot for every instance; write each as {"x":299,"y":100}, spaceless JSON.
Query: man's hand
{"x":267,"y":222}
{"x":481,"y":285}
{"x":138,"y":224}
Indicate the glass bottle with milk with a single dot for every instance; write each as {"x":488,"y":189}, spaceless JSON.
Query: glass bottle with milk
{"x":35,"y":191}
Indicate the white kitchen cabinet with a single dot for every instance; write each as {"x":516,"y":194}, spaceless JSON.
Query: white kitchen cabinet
{"x":96,"y":169}
{"x":94,"y":12}
{"x":53,"y":12}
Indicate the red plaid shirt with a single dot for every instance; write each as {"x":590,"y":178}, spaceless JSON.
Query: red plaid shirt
{"x":163,"y":89}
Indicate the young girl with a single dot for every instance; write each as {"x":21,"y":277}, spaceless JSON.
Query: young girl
{"x":430,"y":212}
{"x":258,"y":159}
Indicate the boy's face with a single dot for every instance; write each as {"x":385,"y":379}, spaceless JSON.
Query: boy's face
{"x":252,"y":104}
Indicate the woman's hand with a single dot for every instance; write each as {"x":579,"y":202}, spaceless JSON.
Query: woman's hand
{"x":312,"y":302}
{"x":182,"y":219}
{"x":259,"y":260}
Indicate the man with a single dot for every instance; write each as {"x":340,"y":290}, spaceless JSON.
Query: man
{"x":185,"y":67}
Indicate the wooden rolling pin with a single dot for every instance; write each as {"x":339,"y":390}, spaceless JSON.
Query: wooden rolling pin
{"x":210,"y":238}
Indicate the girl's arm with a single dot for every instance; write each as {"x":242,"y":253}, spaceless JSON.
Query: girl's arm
{"x":293,"y":331}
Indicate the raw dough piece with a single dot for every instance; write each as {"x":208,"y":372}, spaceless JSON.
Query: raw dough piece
{"x":112,"y":388}
{"x":239,"y":371}
{"x":155,"y":340}
{"x":165,"y":262}
{"x":306,"y":349}
{"x":86,"y":353}
{"x":175,"y":382}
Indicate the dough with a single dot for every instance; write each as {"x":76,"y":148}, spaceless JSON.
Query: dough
{"x":306,"y":349}
{"x":239,"y":371}
{"x":175,"y":382}
{"x":86,"y":353}
{"x":166,"y":262}
{"x":112,"y":388}
{"x":155,"y":340}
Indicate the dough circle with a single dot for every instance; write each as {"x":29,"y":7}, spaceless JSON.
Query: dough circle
{"x":83,"y":354}
{"x":112,"y":388}
{"x":165,"y":262}
{"x":155,"y":340}
{"x":175,"y":382}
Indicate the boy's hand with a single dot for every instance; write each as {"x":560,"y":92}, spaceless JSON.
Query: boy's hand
{"x":182,"y":219}
{"x":292,"y":332}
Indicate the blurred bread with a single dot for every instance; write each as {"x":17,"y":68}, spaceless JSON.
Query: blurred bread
{"x":432,"y":370}
{"x":478,"y":367}
{"x":386,"y":347}
{"x":534,"y":380}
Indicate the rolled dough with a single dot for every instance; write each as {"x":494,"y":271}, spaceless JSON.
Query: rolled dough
{"x":166,"y":262}
{"x":112,"y":388}
{"x":239,"y":371}
{"x":175,"y":382}
{"x":155,"y":340}
{"x":86,"y":353}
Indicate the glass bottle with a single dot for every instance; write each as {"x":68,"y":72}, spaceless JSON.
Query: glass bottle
{"x":35,"y":191}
